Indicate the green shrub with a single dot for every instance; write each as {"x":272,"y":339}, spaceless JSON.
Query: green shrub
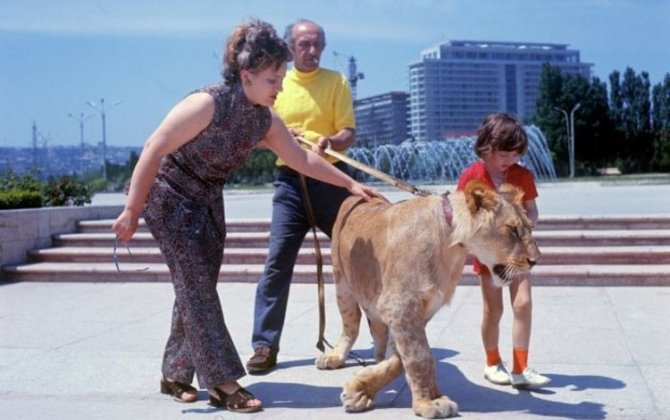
{"x":28,"y":192}
{"x":66,"y":191}
{"x":13,"y":182}
{"x":17,"y":199}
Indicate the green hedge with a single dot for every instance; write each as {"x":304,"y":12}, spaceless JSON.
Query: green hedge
{"x":20,"y":199}
{"x":28,"y":191}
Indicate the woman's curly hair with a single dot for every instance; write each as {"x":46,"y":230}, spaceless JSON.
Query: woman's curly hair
{"x":253,"y":46}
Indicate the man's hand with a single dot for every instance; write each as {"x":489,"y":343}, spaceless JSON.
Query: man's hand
{"x":295,"y":132}
{"x":321,"y":145}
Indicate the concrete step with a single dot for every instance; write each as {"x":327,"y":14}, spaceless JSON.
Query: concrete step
{"x":607,"y":222}
{"x":144,"y":239}
{"x":609,"y":250}
{"x":550,"y":255}
{"x":153,"y":255}
{"x":236,"y":225}
{"x":583,"y":238}
{"x":544,"y":238}
{"x":543,"y":275}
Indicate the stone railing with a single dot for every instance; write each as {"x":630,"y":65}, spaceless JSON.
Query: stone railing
{"x":25,"y":229}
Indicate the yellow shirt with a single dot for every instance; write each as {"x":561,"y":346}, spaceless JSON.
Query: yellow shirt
{"x":318,"y":103}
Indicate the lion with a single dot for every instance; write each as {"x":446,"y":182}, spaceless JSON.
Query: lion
{"x":400,"y":263}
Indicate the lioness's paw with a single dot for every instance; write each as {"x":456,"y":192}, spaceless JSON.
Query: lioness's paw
{"x":439,"y":408}
{"x":356,"y":401}
{"x":329,"y":361}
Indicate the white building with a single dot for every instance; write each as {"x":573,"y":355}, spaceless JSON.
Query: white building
{"x":382,"y":119}
{"x":457,"y":83}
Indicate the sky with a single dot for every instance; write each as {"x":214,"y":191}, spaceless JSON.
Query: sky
{"x":143,"y":56}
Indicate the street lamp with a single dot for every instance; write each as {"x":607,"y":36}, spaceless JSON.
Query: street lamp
{"x":101,"y":110}
{"x":81,"y":118}
{"x":570,"y":130}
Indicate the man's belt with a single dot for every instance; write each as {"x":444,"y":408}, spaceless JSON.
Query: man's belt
{"x":287,"y":170}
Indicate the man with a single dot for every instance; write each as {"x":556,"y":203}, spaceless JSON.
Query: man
{"x":315,"y":103}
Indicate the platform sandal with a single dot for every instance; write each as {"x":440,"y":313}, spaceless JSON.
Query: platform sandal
{"x":177,"y":390}
{"x":235,"y":402}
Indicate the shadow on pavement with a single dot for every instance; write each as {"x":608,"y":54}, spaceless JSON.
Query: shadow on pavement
{"x":472,"y":397}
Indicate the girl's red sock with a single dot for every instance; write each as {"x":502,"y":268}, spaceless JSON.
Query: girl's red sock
{"x":520,"y":360}
{"x":493,"y":357}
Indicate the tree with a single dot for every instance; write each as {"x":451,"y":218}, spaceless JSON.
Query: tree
{"x":550,"y":120}
{"x":593,"y":128}
{"x":631,"y":112}
{"x":661,"y":124}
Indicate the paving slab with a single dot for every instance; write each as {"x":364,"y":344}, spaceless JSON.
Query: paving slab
{"x":93,"y":351}
{"x":71,"y":350}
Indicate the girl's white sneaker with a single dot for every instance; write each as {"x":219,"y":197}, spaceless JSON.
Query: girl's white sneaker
{"x":529,"y":379}
{"x":497,"y":374}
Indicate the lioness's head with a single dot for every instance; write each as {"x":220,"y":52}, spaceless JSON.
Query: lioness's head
{"x":501,"y":233}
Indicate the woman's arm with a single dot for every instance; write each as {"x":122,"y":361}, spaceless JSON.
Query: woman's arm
{"x":188,"y":118}
{"x":282,"y":143}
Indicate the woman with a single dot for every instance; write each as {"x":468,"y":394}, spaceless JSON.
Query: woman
{"x":178,"y":183}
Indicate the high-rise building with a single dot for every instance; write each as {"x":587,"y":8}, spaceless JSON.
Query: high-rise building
{"x":457,"y":83}
{"x":382,"y":119}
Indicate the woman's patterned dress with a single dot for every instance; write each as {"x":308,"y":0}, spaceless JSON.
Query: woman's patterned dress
{"x":185,"y":214}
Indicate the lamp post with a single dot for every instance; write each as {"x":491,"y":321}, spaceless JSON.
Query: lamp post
{"x":101,"y":110}
{"x":80,"y":119}
{"x":570,"y":130}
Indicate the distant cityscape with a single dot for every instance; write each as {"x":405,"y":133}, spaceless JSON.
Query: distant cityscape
{"x":61,"y":160}
{"x":451,"y":88}
{"x":456,"y":83}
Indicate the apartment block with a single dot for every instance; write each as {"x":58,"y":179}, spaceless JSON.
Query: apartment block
{"x":457,"y":83}
{"x":382,"y":119}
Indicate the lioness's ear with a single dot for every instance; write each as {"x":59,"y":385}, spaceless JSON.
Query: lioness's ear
{"x":479,"y":195}
{"x":512,"y":194}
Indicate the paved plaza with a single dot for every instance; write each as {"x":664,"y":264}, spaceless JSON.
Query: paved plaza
{"x":93,"y":350}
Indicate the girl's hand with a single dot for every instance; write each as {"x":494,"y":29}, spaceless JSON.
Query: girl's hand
{"x":125,"y":225}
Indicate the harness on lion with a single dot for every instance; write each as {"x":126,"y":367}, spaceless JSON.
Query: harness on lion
{"x":402,"y":185}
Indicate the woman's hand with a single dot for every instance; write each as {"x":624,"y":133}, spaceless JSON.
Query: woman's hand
{"x":125,"y":225}
{"x":365,"y":192}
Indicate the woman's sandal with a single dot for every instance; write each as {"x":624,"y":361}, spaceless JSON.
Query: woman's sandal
{"x":235,"y":402}
{"x":177,"y":390}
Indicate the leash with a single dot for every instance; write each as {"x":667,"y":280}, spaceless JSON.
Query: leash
{"x":319,"y":264}
{"x":321,"y":342}
{"x":402,"y":185}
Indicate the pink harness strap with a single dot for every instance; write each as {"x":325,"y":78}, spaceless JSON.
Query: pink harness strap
{"x":448,"y":210}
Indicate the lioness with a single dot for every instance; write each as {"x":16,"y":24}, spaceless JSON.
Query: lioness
{"x":401,"y":262}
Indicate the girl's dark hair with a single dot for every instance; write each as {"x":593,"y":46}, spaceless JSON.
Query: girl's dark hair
{"x":253,"y":46}
{"x":500,"y":131}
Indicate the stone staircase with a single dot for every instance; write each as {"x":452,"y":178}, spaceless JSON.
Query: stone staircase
{"x":587,"y":251}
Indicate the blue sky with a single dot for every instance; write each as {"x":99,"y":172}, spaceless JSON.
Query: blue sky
{"x":57,"y":55}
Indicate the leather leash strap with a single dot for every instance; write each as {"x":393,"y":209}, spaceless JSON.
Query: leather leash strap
{"x":402,"y":185}
{"x":319,"y":264}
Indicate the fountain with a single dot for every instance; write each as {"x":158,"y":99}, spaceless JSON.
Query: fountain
{"x":438,"y":161}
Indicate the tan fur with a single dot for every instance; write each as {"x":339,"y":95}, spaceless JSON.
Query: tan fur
{"x":400,"y":263}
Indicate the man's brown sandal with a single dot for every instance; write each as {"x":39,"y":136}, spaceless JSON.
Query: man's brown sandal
{"x":178,"y":390}
{"x":235,"y":402}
